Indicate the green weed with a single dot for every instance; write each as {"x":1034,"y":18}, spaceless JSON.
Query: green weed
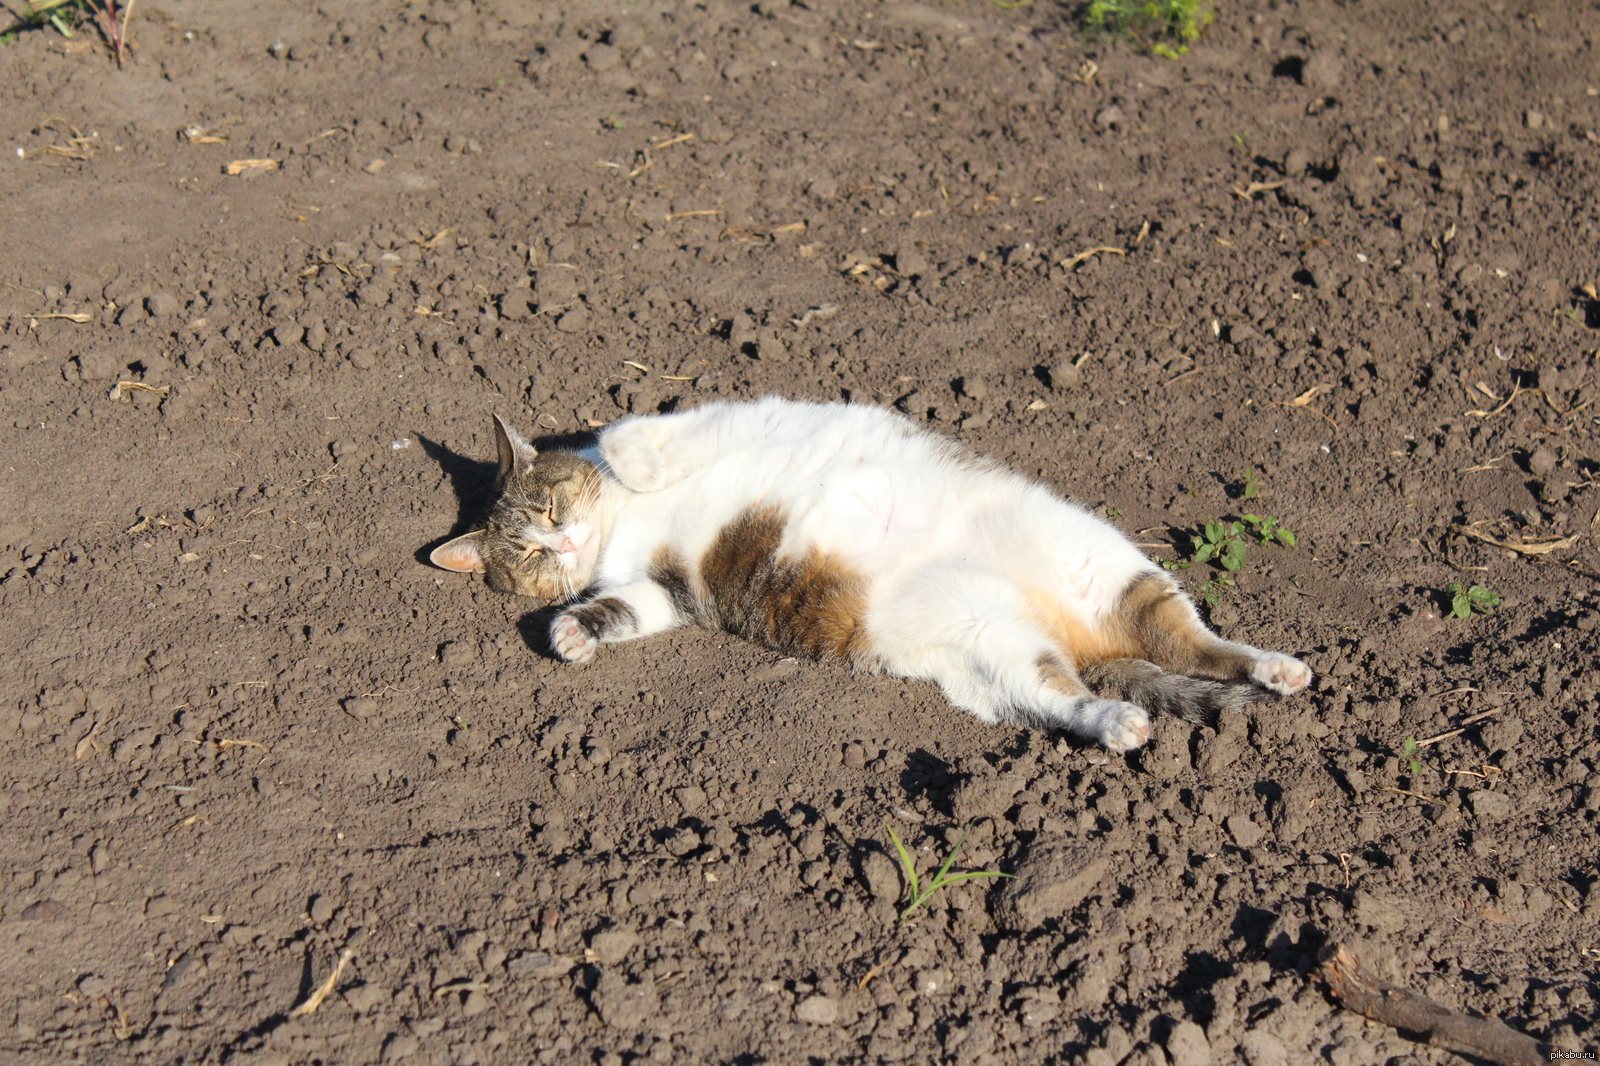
{"x":1220,"y":542}
{"x":1267,"y":529}
{"x":1466,"y":602}
{"x":1210,"y":592}
{"x":1226,"y":544}
{"x":920,"y":894}
{"x":109,"y":16}
{"x":1409,"y":750}
{"x":1168,"y":25}
{"x":1252,"y":483}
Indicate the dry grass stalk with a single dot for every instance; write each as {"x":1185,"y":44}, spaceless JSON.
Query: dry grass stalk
{"x":325,"y":989}
{"x":1089,"y":253}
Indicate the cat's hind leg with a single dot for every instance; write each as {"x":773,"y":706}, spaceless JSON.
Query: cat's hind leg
{"x":625,"y":613}
{"x":972,"y":635}
{"x":1157,"y":622}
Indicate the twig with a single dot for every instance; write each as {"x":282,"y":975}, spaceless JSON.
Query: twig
{"x":1068,"y":264}
{"x":1488,"y":1038}
{"x":324,"y":990}
{"x":1543,"y":547}
{"x":1462,"y":728}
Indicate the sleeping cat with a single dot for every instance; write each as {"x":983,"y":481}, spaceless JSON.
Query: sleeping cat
{"x":846,"y":533}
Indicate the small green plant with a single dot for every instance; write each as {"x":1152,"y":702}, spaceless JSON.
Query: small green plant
{"x":1220,"y":542}
{"x":919,"y":893}
{"x":1226,"y":544}
{"x":1252,"y":483}
{"x":1409,"y":750}
{"x":1169,"y":25}
{"x":109,"y":16}
{"x":1210,"y":592}
{"x":1267,"y":529}
{"x":1466,"y":602}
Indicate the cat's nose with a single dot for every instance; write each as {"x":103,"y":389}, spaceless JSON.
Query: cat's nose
{"x":567,"y":546}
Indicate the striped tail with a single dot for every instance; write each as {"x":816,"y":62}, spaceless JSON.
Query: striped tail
{"x":1160,"y":692}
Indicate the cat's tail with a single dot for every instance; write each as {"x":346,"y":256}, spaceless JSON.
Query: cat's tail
{"x":1194,"y":699}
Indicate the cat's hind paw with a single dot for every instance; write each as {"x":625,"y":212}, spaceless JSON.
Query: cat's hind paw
{"x":572,"y":640}
{"x":1283,"y":674}
{"x":1119,"y":726}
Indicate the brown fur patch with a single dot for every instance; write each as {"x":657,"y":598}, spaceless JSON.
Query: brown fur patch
{"x":1078,"y":641}
{"x":807,"y":606}
{"x":669,"y":571}
{"x":1156,"y":623}
{"x":1058,"y":675}
{"x":605,"y":615}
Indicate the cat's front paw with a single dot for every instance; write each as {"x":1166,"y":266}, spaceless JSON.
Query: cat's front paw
{"x":1121,"y":726}
{"x":1283,"y":674}
{"x":572,"y":640}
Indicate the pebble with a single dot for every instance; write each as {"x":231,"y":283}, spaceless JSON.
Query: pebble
{"x":817,"y":1010}
{"x":613,"y":944}
{"x":1324,"y":70}
{"x":1066,"y":375}
{"x":1259,"y":1048}
{"x":981,"y":797}
{"x":1245,"y":833}
{"x":43,"y":911}
{"x":1107,"y":117}
{"x":1051,"y":880}
{"x":362,"y":707}
{"x":162,"y":304}
{"x":539,"y":965}
{"x":100,"y":365}
{"x":1487,"y":804}
{"x":881,"y":875}
{"x":622,"y":1005}
{"x":1187,"y":1045}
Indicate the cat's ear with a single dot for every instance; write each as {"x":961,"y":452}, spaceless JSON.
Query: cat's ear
{"x":509,"y":446}
{"x":464,"y":554}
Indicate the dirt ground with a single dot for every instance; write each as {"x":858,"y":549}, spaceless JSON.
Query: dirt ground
{"x":1329,"y":267}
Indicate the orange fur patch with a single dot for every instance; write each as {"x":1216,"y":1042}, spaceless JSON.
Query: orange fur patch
{"x":807,"y":606}
{"x":1078,"y":641}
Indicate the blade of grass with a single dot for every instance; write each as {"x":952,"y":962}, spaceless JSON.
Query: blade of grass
{"x":906,"y":864}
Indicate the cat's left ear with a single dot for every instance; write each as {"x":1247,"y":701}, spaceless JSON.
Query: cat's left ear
{"x":464,"y":555}
{"x":509,"y":446}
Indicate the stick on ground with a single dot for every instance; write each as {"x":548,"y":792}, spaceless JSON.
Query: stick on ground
{"x":1488,"y":1038}
{"x":325,"y":989}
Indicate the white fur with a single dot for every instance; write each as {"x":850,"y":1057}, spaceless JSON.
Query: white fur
{"x":951,"y":547}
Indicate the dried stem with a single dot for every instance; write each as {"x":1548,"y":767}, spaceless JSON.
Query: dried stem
{"x":1487,"y":1038}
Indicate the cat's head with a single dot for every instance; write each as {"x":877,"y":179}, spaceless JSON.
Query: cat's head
{"x":544,"y":532}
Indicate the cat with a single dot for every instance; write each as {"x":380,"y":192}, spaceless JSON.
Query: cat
{"x":846,"y":533}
